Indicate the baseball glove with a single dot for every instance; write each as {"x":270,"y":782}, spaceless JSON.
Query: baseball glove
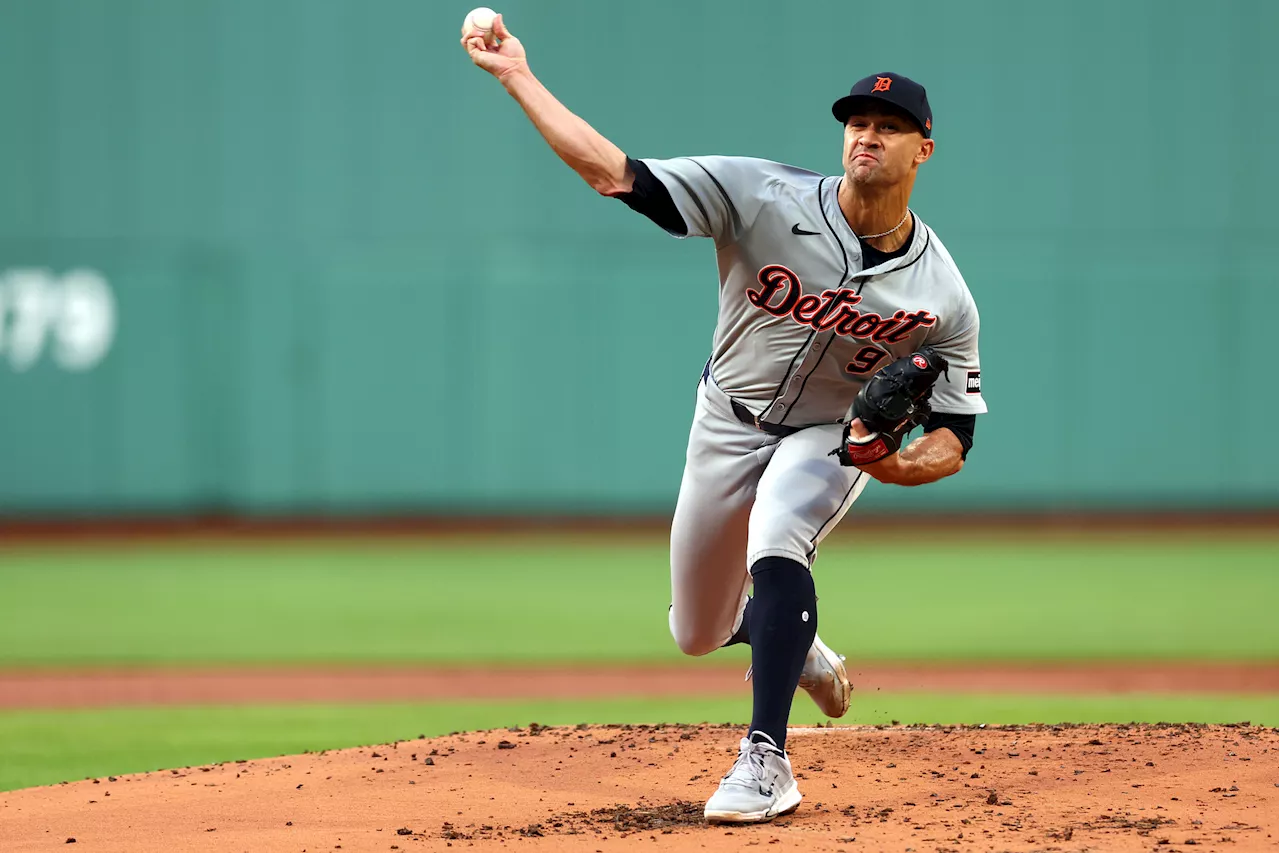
{"x":890,"y":404}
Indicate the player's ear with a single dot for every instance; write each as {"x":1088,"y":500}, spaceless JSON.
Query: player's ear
{"x":925,"y":152}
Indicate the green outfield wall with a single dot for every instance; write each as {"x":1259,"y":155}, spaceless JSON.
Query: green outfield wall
{"x":302,"y":256}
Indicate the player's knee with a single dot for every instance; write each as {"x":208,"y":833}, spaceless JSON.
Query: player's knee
{"x":692,"y":639}
{"x":697,"y":645}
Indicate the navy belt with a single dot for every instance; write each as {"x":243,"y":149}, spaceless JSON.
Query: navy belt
{"x":744,"y":414}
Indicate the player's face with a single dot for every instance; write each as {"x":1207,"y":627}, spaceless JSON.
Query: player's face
{"x":882,"y":148}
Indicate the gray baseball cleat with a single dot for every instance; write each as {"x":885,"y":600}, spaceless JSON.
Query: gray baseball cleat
{"x":758,"y":788}
{"x":825,"y":680}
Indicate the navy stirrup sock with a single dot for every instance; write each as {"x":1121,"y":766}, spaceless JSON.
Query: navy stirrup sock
{"x":784,"y":621}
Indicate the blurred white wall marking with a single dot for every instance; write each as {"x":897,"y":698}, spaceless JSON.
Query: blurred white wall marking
{"x":73,"y":316}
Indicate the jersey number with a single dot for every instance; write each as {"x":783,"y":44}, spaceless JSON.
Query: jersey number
{"x":866,"y":360}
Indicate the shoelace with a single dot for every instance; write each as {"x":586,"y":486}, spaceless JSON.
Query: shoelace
{"x":751,"y":762}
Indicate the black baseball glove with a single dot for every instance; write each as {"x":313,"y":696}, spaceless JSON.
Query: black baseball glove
{"x":894,"y":400}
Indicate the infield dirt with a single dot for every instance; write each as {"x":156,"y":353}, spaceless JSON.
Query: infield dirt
{"x":619,"y":788}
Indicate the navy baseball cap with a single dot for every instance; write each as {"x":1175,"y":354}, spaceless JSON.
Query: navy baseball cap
{"x":894,"y":89}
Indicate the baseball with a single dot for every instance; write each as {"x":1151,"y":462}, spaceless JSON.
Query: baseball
{"x":480,"y":19}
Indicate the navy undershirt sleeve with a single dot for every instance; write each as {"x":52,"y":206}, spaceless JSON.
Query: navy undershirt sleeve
{"x":651,"y":197}
{"x":961,"y":425}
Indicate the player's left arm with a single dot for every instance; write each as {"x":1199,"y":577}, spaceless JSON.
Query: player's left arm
{"x":936,"y":454}
{"x":956,"y":401}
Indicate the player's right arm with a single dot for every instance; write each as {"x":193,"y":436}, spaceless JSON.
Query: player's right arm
{"x":715,"y":197}
{"x":598,"y":161}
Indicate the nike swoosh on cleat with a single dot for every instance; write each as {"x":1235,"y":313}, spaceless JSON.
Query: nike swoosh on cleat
{"x":796,"y":229}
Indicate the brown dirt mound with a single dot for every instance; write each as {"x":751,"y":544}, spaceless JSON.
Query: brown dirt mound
{"x":603,"y":788}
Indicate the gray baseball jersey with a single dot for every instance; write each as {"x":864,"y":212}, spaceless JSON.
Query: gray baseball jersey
{"x":802,"y":325}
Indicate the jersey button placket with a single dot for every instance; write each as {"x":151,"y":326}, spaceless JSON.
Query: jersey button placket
{"x":788,"y":397}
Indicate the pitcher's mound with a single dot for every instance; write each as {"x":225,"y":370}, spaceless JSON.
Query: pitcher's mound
{"x":618,"y":788}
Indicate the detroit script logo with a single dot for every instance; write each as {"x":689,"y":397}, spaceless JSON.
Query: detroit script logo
{"x":781,"y":294}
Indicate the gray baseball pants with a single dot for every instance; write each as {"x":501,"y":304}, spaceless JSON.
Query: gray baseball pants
{"x":746,"y":494}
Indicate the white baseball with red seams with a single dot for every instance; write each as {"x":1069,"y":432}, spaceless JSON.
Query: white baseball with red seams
{"x":481,"y":19}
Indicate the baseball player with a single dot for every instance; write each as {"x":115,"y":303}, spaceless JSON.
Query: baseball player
{"x":843,"y":323}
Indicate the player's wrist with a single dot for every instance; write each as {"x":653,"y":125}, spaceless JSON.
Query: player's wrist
{"x":861,"y":447}
{"x":517,"y":77}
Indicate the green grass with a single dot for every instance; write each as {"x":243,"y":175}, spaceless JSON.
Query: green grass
{"x":549,"y":599}
{"x":546,"y":599}
{"x":46,"y":747}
